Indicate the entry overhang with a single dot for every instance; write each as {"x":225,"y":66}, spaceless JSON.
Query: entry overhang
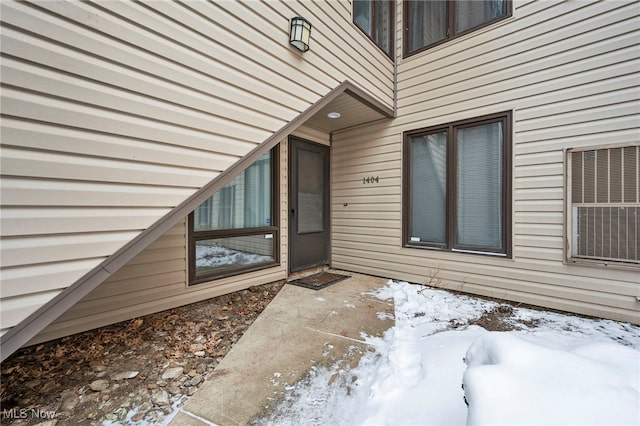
{"x":359,"y":108}
{"x":353,"y":110}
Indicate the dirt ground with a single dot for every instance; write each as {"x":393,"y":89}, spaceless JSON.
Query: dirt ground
{"x":144,"y":366}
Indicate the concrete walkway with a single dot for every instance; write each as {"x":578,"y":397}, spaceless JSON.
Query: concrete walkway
{"x":299,"y":329}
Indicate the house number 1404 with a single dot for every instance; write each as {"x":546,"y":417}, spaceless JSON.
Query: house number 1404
{"x":370,"y":179}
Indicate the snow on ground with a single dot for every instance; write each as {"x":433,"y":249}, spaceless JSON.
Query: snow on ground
{"x":216,"y":256}
{"x":510,"y":380}
{"x":551,"y":369}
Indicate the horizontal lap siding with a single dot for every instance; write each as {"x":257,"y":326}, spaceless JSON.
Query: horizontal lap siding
{"x":113,"y":113}
{"x":153,"y":281}
{"x":569,"y":71}
{"x":156,"y":280}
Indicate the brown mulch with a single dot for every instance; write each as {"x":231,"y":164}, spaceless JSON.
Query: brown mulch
{"x":103,"y":374}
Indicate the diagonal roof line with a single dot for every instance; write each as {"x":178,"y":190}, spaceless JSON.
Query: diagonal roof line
{"x":28,"y":328}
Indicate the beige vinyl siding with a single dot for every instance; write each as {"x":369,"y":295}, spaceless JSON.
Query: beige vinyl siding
{"x":115,"y":112}
{"x":569,"y":71}
{"x":157,"y":279}
{"x":312,"y":135}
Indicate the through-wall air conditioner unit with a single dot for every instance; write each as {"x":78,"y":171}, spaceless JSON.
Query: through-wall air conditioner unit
{"x":603,"y":205}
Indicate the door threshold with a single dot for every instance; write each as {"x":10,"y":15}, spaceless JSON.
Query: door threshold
{"x":306,"y":272}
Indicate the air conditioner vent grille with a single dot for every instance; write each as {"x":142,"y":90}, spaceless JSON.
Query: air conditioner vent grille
{"x":605,"y":204}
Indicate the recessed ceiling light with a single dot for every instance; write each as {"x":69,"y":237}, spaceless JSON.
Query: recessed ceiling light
{"x":333,"y":115}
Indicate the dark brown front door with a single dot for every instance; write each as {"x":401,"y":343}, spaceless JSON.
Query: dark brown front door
{"x":309,"y":222}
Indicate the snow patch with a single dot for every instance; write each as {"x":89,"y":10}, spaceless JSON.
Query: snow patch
{"x":216,"y":256}
{"x":510,"y":380}
{"x":550,"y":367}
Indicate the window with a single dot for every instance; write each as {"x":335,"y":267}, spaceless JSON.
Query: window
{"x":235,"y":230}
{"x":457,"y":186}
{"x":603,"y":211}
{"x":431,"y":22}
{"x":377,"y":19}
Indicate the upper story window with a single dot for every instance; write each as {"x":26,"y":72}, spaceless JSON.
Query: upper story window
{"x":376,"y":18}
{"x":430,"y":22}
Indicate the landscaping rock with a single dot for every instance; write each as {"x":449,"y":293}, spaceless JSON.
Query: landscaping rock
{"x":69,"y":400}
{"x":146,"y":406}
{"x":88,"y":375}
{"x":173,"y":388}
{"x":139,"y":416}
{"x":52,"y":422}
{"x":99,"y":385}
{"x":160,"y":397}
{"x":172,"y":373}
{"x":124,"y":375}
{"x":196,"y":380}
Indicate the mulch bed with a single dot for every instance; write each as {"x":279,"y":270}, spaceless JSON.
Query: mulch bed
{"x":102,"y":374}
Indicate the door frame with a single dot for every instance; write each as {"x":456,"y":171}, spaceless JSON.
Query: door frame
{"x":327,"y":200}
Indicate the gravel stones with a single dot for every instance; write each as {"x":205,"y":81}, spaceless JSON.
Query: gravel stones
{"x":160,"y":397}
{"x":139,"y":368}
{"x":69,"y":400}
{"x":99,"y":385}
{"x":139,"y":416}
{"x":124,"y":375}
{"x":172,"y":373}
{"x":196,"y":380}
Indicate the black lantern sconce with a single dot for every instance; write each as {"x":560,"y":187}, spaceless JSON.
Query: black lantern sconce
{"x":300,"y":33}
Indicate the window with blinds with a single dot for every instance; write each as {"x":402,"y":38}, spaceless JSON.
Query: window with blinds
{"x":236,"y":229}
{"x":377,"y":19}
{"x":457,"y":186}
{"x":604,"y":204}
{"x":428,"y":23}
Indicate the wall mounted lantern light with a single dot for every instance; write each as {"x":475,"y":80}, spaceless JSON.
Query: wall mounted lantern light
{"x":300,"y":33}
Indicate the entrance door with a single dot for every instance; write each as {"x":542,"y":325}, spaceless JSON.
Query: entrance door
{"x":308,"y":204}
